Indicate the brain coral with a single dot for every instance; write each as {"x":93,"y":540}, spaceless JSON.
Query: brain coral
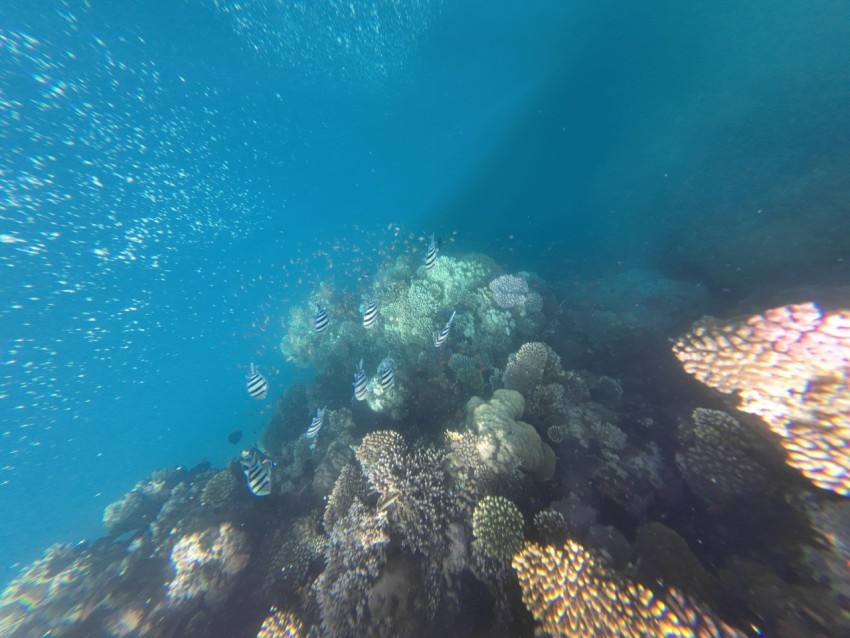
{"x":791,"y":366}
{"x":504,"y":440}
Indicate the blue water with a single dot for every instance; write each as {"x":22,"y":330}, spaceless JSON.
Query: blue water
{"x":174,"y":176}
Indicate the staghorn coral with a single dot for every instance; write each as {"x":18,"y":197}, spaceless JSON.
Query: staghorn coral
{"x":714,"y":460}
{"x":207,"y":563}
{"x":350,"y":485}
{"x":504,"y":440}
{"x":497,"y":528}
{"x":281,"y":624}
{"x":570,"y":593}
{"x":471,"y":475}
{"x":791,"y":367}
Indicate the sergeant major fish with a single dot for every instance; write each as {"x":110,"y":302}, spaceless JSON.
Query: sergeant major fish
{"x":315,"y":425}
{"x":431,"y":255}
{"x":256,"y":383}
{"x":370,"y":314}
{"x":359,"y":382}
{"x":320,"y":319}
{"x":444,"y":333}
{"x":386,"y":374}
{"x":258,"y":471}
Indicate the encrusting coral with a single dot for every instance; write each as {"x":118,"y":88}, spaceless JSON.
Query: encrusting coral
{"x":791,"y":366}
{"x":570,"y":593}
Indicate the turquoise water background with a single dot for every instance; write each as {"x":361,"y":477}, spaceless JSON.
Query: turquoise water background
{"x":174,"y":175}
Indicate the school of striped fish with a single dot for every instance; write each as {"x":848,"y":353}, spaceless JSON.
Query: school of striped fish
{"x":256,"y":466}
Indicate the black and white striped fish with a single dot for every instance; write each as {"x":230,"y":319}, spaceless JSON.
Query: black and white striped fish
{"x":320,"y":319}
{"x":386,"y":374}
{"x":431,"y":255}
{"x":257,"y":385}
{"x":316,"y":425}
{"x":360,"y":382}
{"x":370,"y":314}
{"x":258,"y":471}
{"x":441,"y":338}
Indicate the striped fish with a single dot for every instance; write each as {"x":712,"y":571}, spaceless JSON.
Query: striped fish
{"x":387,"y":500}
{"x":431,"y":255}
{"x":258,"y":471}
{"x":256,"y":384}
{"x":441,"y":338}
{"x":359,"y":382}
{"x":316,"y":424}
{"x":386,"y":374}
{"x":320,"y":319}
{"x":370,"y":314}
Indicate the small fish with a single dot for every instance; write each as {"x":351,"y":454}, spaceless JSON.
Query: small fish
{"x":234,"y":437}
{"x":320,"y":319}
{"x":386,"y":374}
{"x":258,"y":471}
{"x":359,"y":382}
{"x":431,"y":255}
{"x":316,"y":425}
{"x":370,"y":314}
{"x":256,"y":384}
{"x":387,"y":500}
{"x":441,"y":338}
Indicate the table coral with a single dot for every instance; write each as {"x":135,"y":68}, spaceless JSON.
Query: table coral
{"x":791,"y":366}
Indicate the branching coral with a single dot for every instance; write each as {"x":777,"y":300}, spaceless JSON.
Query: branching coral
{"x":354,"y":556}
{"x":507,"y":442}
{"x":714,"y":459}
{"x":206,"y":564}
{"x":497,"y":528}
{"x":570,"y":593}
{"x":509,"y":290}
{"x":526,"y":368}
{"x":791,"y":366}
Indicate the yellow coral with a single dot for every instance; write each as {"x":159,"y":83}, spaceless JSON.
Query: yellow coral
{"x":570,"y":594}
{"x":791,"y":366}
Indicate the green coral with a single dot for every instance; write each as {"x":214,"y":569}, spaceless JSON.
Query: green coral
{"x":218,"y":489}
{"x":497,"y":528}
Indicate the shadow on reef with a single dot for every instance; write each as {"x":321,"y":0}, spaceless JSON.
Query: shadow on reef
{"x":548,"y":467}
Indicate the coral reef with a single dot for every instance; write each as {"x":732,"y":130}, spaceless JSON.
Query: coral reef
{"x":790,"y":366}
{"x":570,"y":593}
{"x":714,"y":460}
